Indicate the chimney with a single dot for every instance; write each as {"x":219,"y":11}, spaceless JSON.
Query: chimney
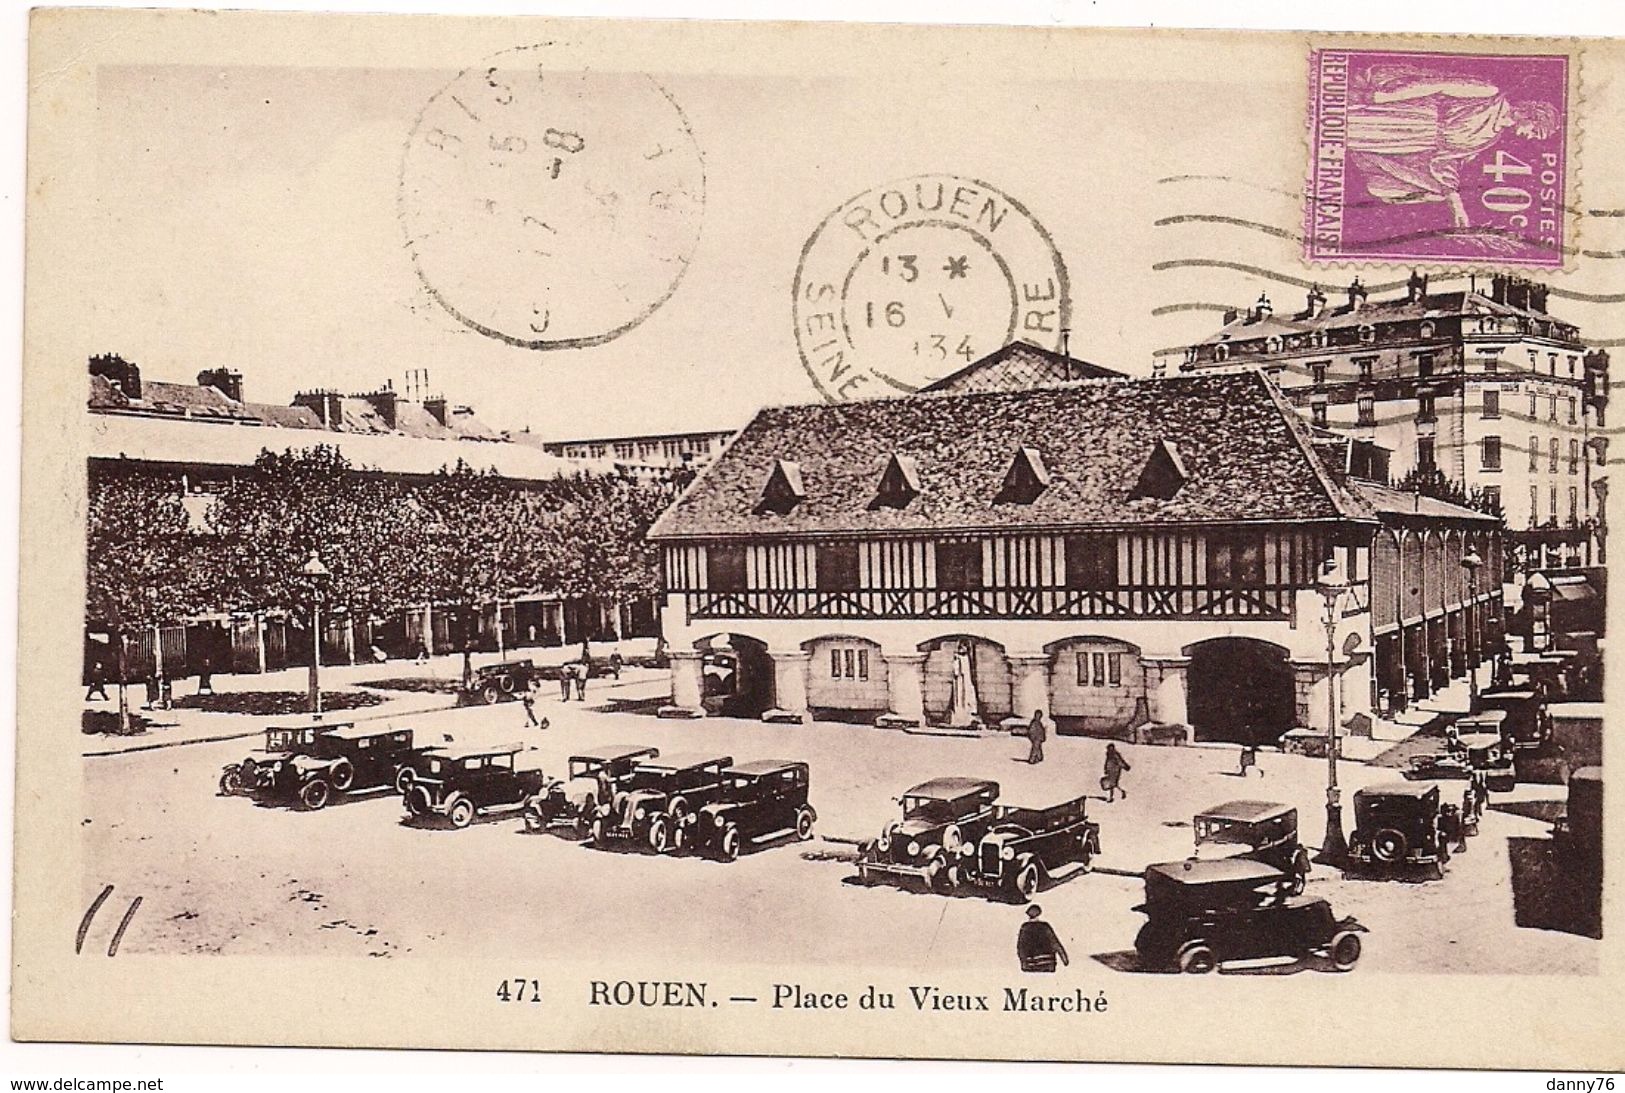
{"x":328,"y":406}
{"x":436,"y":405}
{"x":1262,"y":309}
{"x":383,"y":401}
{"x":1517,"y":292}
{"x":123,"y":374}
{"x":1231,"y":315}
{"x":1417,"y":287}
{"x":1357,"y":294}
{"x":1596,"y":377}
{"x":224,"y":380}
{"x":1537,"y":296}
{"x":1066,"y":350}
{"x":1316,"y":301}
{"x":1498,"y":288}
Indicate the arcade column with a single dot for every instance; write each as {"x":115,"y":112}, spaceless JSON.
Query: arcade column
{"x":789,"y":687}
{"x":905,"y":697}
{"x":687,"y":686}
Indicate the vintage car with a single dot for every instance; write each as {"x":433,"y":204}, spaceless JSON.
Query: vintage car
{"x":1528,"y":724}
{"x":1263,"y":831}
{"x":458,"y":784}
{"x":1024,"y":847}
{"x":256,"y":771}
{"x":593,"y":778}
{"x":660,"y":801}
{"x":1200,"y":914}
{"x":1577,"y":834}
{"x":1396,"y":824}
{"x":759,"y":800}
{"x":493,"y":683}
{"x":345,"y":759}
{"x":1485,"y":755}
{"x":939,"y":818}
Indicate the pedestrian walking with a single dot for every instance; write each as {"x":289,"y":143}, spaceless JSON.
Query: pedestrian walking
{"x":1036,"y":735}
{"x":205,"y":676}
{"x":616,"y":663}
{"x":423,"y":652}
{"x":1451,"y":829}
{"x":527,"y":699}
{"x":581,"y":673}
{"x":98,"y":682}
{"x":566,"y":671}
{"x":1037,"y":946}
{"x":152,"y":693}
{"x":1249,"y":760}
{"x":1111,"y":780}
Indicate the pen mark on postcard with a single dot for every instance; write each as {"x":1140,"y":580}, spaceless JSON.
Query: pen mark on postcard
{"x":914,"y":279}
{"x":550,"y":209}
{"x":90,"y":914}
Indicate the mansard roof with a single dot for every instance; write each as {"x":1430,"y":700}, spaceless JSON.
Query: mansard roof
{"x":1246,"y":452}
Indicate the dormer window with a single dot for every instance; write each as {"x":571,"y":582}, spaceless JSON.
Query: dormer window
{"x":1318,"y":339}
{"x":1025,"y":480}
{"x":1368,"y":334}
{"x":899,"y":483}
{"x":1272,"y":344}
{"x":1488,"y":325}
{"x":783,"y":490}
{"x":1427,"y":330}
{"x":1221,"y":352}
{"x":1163,"y":474}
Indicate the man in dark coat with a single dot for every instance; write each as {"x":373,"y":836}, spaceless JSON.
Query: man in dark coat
{"x":1112,"y":777}
{"x":1036,"y":735}
{"x":566,"y":674}
{"x":1037,"y":946}
{"x":98,"y":682}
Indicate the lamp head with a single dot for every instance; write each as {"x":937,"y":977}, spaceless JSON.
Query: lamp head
{"x":314,"y":570}
{"x":1331,"y":583}
{"x":1471,"y":561}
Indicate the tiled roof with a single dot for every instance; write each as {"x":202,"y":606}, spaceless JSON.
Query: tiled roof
{"x":287,"y":417}
{"x":1247,"y":454}
{"x":1430,"y":306}
{"x":1387,"y":501}
{"x":1018,"y":366}
{"x":188,"y":399}
{"x":105,"y":395}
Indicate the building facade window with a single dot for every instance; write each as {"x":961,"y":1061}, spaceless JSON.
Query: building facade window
{"x":1317,"y":370}
{"x":725,"y":568}
{"x":835,"y":567}
{"x":1426,"y":408}
{"x":1551,"y":363}
{"x":1573,"y":364}
{"x":1100,"y":669}
{"x":1424,"y":453}
{"x":1091,"y":561}
{"x":1551,"y":461}
{"x":849,"y":663}
{"x":1492,"y":497}
{"x":1573,"y":410}
{"x":624,"y":449}
{"x":959,"y":565}
{"x":1533,"y":409}
{"x":1367,"y":408}
{"x":1368,"y":334}
{"x":1221,"y":352}
{"x":671,"y":449}
{"x":1552,"y":416}
{"x":1235,"y":560}
{"x":1317,"y":413}
{"x":1365,"y":365}
{"x":1490,"y":447}
{"x":1534,"y":505}
{"x":1492,"y":402}
{"x":1553,"y":508}
{"x":1272,"y":344}
{"x":1534,"y":453}
{"x":1427,"y":330}
{"x":599,"y":451}
{"x":1574,"y":457}
{"x":1424,"y":365}
{"x":1574,"y":506}
{"x":1492,"y":365}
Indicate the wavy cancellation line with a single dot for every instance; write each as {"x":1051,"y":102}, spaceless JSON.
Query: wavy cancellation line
{"x":1297,"y":195}
{"x":1408,"y":237}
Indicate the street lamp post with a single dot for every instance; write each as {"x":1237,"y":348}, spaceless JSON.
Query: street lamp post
{"x":317,"y":574}
{"x":1470,"y":562}
{"x":1332,"y":586}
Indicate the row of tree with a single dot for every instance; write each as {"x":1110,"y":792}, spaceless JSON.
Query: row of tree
{"x":461,"y":537}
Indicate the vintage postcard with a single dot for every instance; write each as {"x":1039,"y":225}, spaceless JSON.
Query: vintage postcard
{"x":796,"y":539}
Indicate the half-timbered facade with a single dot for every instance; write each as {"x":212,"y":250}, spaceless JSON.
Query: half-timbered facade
{"x":1110,"y":551}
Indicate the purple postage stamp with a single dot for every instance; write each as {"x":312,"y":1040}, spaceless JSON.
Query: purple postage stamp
{"x":1437,"y":157}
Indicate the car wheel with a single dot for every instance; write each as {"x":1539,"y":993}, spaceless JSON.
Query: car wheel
{"x":1197,"y":959}
{"x":461,"y":812}
{"x":1086,"y":856}
{"x":942,"y":877}
{"x":417,"y":801}
{"x":314,"y":794}
{"x":595,"y":834}
{"x":1028,"y":881}
{"x":583,"y":826}
{"x":952,"y":839}
{"x":1389,"y":846}
{"x":660,"y":836}
{"x":490,"y":694}
{"x":1296,"y":886}
{"x":343,"y":776}
{"x":404,"y":779}
{"x":508,"y":684}
{"x":1345,"y":950}
{"x":728,"y":845}
{"x":231,"y":782}
{"x":804,"y":824}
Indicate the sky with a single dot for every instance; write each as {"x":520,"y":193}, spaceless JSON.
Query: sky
{"x":248,"y":217}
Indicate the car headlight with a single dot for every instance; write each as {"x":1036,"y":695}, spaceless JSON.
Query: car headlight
{"x":1007,"y":853}
{"x":639,"y":814}
{"x":882,"y":844}
{"x":718,"y":820}
{"x":913,"y":848}
{"x":966,"y":850}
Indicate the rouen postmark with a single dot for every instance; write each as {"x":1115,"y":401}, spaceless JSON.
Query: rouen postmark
{"x":1437,"y":157}
{"x":551,"y":209}
{"x":910,"y":281}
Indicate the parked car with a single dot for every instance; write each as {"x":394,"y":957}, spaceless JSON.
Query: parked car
{"x":1024,"y":847}
{"x":1396,"y":824}
{"x":1263,"y":831}
{"x":493,"y":683}
{"x":459,"y":784}
{"x":1528,"y":723}
{"x":660,"y":800}
{"x":1485,"y":755}
{"x":346,"y":759}
{"x":592,"y":781}
{"x":759,"y":800}
{"x":256,"y":771}
{"x":1200,"y":914}
{"x":939,"y":818}
{"x":1577,"y":834}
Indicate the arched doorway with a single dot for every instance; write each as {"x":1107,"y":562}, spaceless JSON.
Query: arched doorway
{"x":989,"y":668}
{"x":736,"y":675}
{"x":1239,"y":690}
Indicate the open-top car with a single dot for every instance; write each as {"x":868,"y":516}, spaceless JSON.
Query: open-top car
{"x":346,"y":759}
{"x":1202,"y":913}
{"x":592,"y":780}
{"x":1485,"y":755}
{"x":939,"y":818}
{"x":1263,"y":831}
{"x":459,"y":784}
{"x":1024,"y":847}
{"x":759,"y":800}
{"x":492,"y":683}
{"x":1396,"y":824}
{"x":256,"y":772}
{"x":1528,"y":723}
{"x":660,"y":800}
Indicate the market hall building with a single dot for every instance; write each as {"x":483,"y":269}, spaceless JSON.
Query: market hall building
{"x":1111,"y":551}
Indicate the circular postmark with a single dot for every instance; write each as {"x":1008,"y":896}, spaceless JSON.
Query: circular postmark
{"x":549,"y":209}
{"x":912,"y":280}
